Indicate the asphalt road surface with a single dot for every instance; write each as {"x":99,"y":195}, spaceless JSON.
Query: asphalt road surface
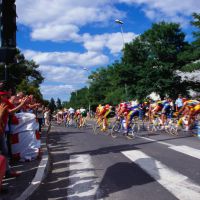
{"x":85,"y":166}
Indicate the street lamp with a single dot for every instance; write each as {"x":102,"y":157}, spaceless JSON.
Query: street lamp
{"x":86,"y":69}
{"x":122,"y":32}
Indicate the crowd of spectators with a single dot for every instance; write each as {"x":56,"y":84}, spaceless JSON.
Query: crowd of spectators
{"x":10,"y":105}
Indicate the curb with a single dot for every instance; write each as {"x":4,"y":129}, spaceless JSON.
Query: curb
{"x":40,"y":175}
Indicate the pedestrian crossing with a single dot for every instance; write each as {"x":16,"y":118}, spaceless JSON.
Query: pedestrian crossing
{"x":82,"y":179}
{"x":179,"y":185}
{"x":84,"y":182}
{"x":187,"y":150}
{"x":181,"y":148}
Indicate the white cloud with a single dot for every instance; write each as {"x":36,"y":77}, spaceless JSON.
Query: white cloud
{"x":56,"y":33}
{"x":88,"y":59}
{"x":113,"y":41}
{"x":56,"y":91}
{"x":58,"y":20}
{"x":60,"y":81}
{"x":170,"y":10}
{"x":64,"y":70}
{"x":62,"y":74}
{"x":61,"y":20}
{"x":65,"y":20}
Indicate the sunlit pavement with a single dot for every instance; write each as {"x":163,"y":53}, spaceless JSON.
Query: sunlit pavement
{"x":87,"y":166}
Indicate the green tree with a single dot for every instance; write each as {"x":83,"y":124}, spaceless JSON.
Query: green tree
{"x":150,"y":63}
{"x":52,"y":105}
{"x":152,"y":57}
{"x":79,"y":98}
{"x":58,"y":104}
{"x":29,"y":88}
{"x":23,"y":74}
{"x":190,"y":57}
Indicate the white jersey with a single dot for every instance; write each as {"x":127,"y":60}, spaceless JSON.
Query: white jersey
{"x":71,"y":110}
{"x":82,"y":110}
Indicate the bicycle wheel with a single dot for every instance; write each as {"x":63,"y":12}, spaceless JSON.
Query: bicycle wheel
{"x":174,"y":129}
{"x":95,"y":128}
{"x":151,"y":127}
{"x":168,"y":126}
{"x":108,"y":128}
{"x":135,"y":128}
{"x":116,"y":129}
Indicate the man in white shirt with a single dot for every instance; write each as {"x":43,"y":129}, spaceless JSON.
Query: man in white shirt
{"x":179,"y":102}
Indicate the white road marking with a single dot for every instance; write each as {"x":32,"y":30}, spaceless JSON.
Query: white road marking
{"x":83,"y":181}
{"x":182,"y":149}
{"x":187,"y":150}
{"x":179,"y":185}
{"x":152,"y":140}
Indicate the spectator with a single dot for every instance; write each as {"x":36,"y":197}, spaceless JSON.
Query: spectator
{"x":179,"y":102}
{"x":5,"y":108}
{"x":47,"y":116}
{"x":40,"y":116}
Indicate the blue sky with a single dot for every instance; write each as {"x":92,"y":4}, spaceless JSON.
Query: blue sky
{"x":66,"y":36}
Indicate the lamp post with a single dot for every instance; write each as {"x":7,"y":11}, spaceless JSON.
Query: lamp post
{"x":122,"y":32}
{"x":86,"y":69}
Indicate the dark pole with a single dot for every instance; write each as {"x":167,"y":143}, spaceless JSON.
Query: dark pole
{"x":6,"y":73}
{"x":8,"y":30}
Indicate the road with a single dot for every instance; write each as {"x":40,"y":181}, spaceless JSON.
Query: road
{"x":85,"y":166}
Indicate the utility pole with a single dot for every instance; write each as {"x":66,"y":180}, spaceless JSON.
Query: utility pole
{"x":8,"y":30}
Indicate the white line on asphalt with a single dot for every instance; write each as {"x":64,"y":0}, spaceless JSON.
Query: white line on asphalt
{"x":182,"y":149}
{"x":39,"y":176}
{"x":83,"y":181}
{"x":152,"y":140}
{"x":187,"y":150}
{"x":179,"y":185}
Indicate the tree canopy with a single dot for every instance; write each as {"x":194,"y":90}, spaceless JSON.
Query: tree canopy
{"x":152,"y":62}
{"x":23,"y":75}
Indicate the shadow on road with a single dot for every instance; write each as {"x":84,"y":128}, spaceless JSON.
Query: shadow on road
{"x":122,"y":176}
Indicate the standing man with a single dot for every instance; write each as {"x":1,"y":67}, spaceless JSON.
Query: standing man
{"x":179,"y":102}
{"x":40,"y":116}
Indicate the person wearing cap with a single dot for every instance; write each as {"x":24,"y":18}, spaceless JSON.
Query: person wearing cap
{"x":6,"y":109}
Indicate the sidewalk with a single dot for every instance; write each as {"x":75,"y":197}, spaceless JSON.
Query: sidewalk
{"x":32,"y":173}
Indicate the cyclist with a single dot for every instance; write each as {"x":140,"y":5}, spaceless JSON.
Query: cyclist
{"x":166,"y":110}
{"x":103,"y":116}
{"x":133,"y":108}
{"x":123,"y":111}
{"x":83,"y":116}
{"x":77,"y":117}
{"x":154,"y":108}
{"x":71,"y":112}
{"x":190,"y":107}
{"x":99,"y":109}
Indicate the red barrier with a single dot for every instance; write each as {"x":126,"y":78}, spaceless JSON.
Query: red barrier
{"x":2,"y":169}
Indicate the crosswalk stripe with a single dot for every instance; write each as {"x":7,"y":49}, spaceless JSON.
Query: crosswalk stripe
{"x":179,"y":185}
{"x":82,"y":177}
{"x":182,"y":149}
{"x":187,"y":150}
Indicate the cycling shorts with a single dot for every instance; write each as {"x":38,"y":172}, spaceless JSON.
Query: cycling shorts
{"x":133,"y":113}
{"x":106,"y":114}
{"x":166,"y":109}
